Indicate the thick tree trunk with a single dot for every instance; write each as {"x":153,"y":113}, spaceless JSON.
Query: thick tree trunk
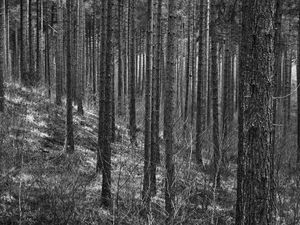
{"x":255,"y":172}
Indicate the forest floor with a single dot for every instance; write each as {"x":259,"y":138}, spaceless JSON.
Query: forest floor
{"x":39,"y":184}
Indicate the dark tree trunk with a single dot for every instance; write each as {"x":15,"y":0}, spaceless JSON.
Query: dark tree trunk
{"x":200,"y":109}
{"x":2,"y":58}
{"x":147,"y":144}
{"x":255,"y":172}
{"x":69,"y":142}
{"x":298,"y":92}
{"x":101,"y":130}
{"x":169,"y":114}
{"x":106,"y":172}
{"x":132,"y":111}
{"x":215,"y":97}
{"x":155,"y":155}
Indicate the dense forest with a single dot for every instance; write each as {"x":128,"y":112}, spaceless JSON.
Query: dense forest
{"x":150,"y":112}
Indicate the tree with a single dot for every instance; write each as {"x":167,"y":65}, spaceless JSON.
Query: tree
{"x":132,"y":111}
{"x":254,"y":195}
{"x":59,"y":53}
{"x":69,"y":142}
{"x":200,"y":108}
{"x":2,"y":63}
{"x":101,"y":130}
{"x":80,"y":55}
{"x":215,"y":95}
{"x":120,"y":59}
{"x":106,"y":172}
{"x":147,"y":143}
{"x":169,"y":113}
{"x":155,"y":155}
{"x":298,"y":92}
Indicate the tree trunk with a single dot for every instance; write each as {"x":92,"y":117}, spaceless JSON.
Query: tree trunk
{"x":215,"y":97}
{"x":169,"y":114}
{"x":147,"y":143}
{"x":132,"y":111}
{"x":255,"y":172}
{"x":298,"y":91}
{"x":69,"y":142}
{"x":2,"y":6}
{"x":200,"y":109}
{"x":60,"y":54}
{"x":155,"y":155}
{"x":80,"y":56}
{"x":106,"y":172}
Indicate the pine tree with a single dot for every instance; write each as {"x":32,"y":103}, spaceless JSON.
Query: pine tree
{"x":69,"y":142}
{"x":169,"y":113}
{"x":2,"y":63}
{"x":255,"y":173}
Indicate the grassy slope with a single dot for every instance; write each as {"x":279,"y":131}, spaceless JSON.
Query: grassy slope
{"x":40,"y":185}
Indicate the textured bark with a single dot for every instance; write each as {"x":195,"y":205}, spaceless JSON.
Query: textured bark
{"x":30,"y":30}
{"x":187,"y":67}
{"x":147,"y":141}
{"x":21,"y":36}
{"x":69,"y":142}
{"x":200,"y":109}
{"x":80,"y":54}
{"x":215,"y":97}
{"x":298,"y":91}
{"x":106,"y":172}
{"x":59,"y":54}
{"x":101,"y":130}
{"x":255,"y":172}
{"x":155,"y":117}
{"x":132,"y":110}
{"x":226,"y":92}
{"x":169,"y":114}
{"x":120,"y":58}
{"x":2,"y":58}
{"x":38,"y":12}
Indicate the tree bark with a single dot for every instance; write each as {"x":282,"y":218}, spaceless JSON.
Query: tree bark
{"x":255,"y":172}
{"x":69,"y":142}
{"x":147,"y":141}
{"x":169,"y":114}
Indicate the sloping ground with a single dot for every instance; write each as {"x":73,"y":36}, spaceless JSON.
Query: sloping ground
{"x":41,"y":185}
